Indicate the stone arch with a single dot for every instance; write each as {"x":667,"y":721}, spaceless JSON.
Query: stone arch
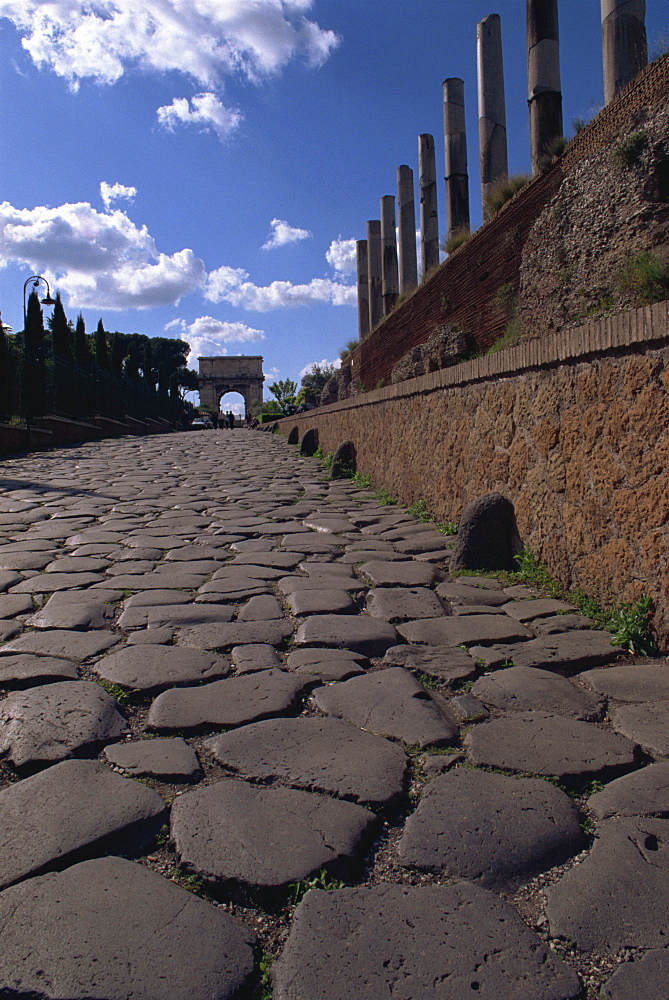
{"x":242,"y":374}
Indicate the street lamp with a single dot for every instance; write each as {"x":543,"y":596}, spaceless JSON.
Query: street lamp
{"x":48,"y":301}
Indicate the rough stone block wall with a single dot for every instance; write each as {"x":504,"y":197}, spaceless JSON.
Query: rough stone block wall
{"x":465,"y":288}
{"x":574,"y":429}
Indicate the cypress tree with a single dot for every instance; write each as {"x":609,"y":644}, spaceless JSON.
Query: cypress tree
{"x":82,"y":355}
{"x":61,"y":332}
{"x":6,"y":376}
{"x":147,"y":366}
{"x":116,"y":356}
{"x":101,"y":349}
{"x":132,"y":364}
{"x":34,"y":386}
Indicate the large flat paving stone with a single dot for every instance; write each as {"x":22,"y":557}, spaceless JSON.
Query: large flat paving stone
{"x":47,"y":583}
{"x":76,"y":809}
{"x":235,"y":634}
{"x":62,"y":643}
{"x":156,"y":598}
{"x":15,"y":604}
{"x":647,"y":724}
{"x":400,"y":574}
{"x":260,"y":609}
{"x":327,"y":664}
{"x":221,"y":832}
{"x":9,"y":578}
{"x":233,"y":702}
{"x":414,"y":943}
{"x":631,"y":682}
{"x":27,"y":670}
{"x":318,"y":602}
{"x":462,"y":593}
{"x":618,"y":897}
{"x":166,"y":759}
{"x":446,"y":663}
{"x":70,"y":609}
{"x":318,"y":755}
{"x":391,"y":703}
{"x":641,"y":793}
{"x":540,"y":607}
{"x":323,"y":581}
{"x":551,"y":745}
{"x":403,"y":603}
{"x":359,"y":633}
{"x":175,"y":579}
{"x":529,"y":689}
{"x":254,"y":656}
{"x":150,"y":668}
{"x":566,"y":652}
{"x":491,"y":829}
{"x":112,"y":929}
{"x":180,"y":616}
{"x":470,"y":630}
{"x":647,"y":977}
{"x":45,"y":724}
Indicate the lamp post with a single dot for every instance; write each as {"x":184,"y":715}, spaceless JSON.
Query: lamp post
{"x":48,"y":301}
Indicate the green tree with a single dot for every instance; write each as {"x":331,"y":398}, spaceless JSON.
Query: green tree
{"x":117,"y":355}
{"x":147,"y":366}
{"x":315,"y":379}
{"x":61,"y":331}
{"x":34,"y":385}
{"x":132,"y":364}
{"x":284,"y":391}
{"x":7,"y":376}
{"x":82,"y":354}
{"x":187,"y":380}
{"x":101,"y":348}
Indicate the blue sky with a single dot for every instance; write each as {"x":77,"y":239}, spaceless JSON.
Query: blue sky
{"x":200,"y":169}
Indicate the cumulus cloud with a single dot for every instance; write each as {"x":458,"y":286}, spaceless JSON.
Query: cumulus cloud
{"x":98,"y":259}
{"x":204,"y":111}
{"x":282,"y":234}
{"x":203,"y":39}
{"x":231,"y":284}
{"x":207,"y":336}
{"x":321,"y":364}
{"x":340,"y":255}
{"x":115,"y":192}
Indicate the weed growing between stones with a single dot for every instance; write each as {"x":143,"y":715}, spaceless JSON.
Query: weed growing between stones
{"x":264,"y":967}
{"x":645,"y":276}
{"x":193,"y":883}
{"x":627,"y":152}
{"x":321,"y":881}
{"x":115,"y":690}
{"x":448,"y":527}
{"x":384,"y":498}
{"x":419,"y":510}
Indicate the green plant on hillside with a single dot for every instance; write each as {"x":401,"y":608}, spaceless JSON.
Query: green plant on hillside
{"x":645,"y":276}
{"x":627,"y":152}
{"x":632,"y":627}
{"x":448,"y":527}
{"x":513,"y":333}
{"x":502,"y":191}
{"x":384,"y":498}
{"x":362,"y":480}
{"x":418,"y":509}
{"x":348,"y":349}
{"x":457,"y":239}
{"x":578,"y":124}
{"x":554,"y":151}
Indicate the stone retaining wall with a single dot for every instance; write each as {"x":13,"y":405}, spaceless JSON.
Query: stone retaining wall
{"x":573,"y":428}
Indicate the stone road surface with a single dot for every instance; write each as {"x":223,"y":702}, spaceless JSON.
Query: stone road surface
{"x":257,"y":742}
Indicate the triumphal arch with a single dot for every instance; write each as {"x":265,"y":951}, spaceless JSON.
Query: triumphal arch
{"x":237,"y":374}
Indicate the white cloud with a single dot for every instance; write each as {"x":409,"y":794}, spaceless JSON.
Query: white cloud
{"x":115,"y":192}
{"x":98,"y":259}
{"x":321,"y":364}
{"x":282,"y":234}
{"x":202,"y":39}
{"x":205,"y":111}
{"x":207,"y":336}
{"x":340,"y":255}
{"x":230,"y":284}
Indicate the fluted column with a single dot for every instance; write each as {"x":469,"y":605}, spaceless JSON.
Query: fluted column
{"x":429,"y":223}
{"x":408,"y":262}
{"x":455,"y":156}
{"x":624,"y":43}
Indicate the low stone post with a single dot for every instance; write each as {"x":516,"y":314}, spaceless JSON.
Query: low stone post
{"x":363,"y":288}
{"x":455,"y":156}
{"x":624,"y":43}
{"x":374,"y":254}
{"x":408,"y":262}
{"x":492,"y":109}
{"x":389,"y":270}
{"x":429,"y":223}
{"x":543,"y":77}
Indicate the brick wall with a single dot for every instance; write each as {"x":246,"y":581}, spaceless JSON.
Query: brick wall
{"x":574,"y":429}
{"x":464,"y":289}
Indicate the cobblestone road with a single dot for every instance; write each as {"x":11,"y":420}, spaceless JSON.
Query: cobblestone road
{"x":257,"y":742}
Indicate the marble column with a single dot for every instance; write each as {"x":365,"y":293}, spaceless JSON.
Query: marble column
{"x":429,"y":223}
{"x":408,"y":262}
{"x":374,"y":255}
{"x":492,"y":110}
{"x":543,"y":76}
{"x":455,"y":156}
{"x":363,"y":288}
{"x":624,"y":43}
{"x":389,"y":269}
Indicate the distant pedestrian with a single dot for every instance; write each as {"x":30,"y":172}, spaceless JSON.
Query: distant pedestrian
{"x":231,"y":420}
{"x":214,"y":420}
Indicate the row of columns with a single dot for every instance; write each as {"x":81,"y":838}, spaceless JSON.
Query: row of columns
{"x":382,"y":272}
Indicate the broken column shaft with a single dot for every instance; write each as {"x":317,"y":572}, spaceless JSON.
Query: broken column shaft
{"x":363,"y":288}
{"x":455,"y":156}
{"x":408,"y":263}
{"x":543,"y":77}
{"x":429,"y":223}
{"x":389,"y":271}
{"x":492,"y":111}
{"x":374,"y":255}
{"x":624,"y":43}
